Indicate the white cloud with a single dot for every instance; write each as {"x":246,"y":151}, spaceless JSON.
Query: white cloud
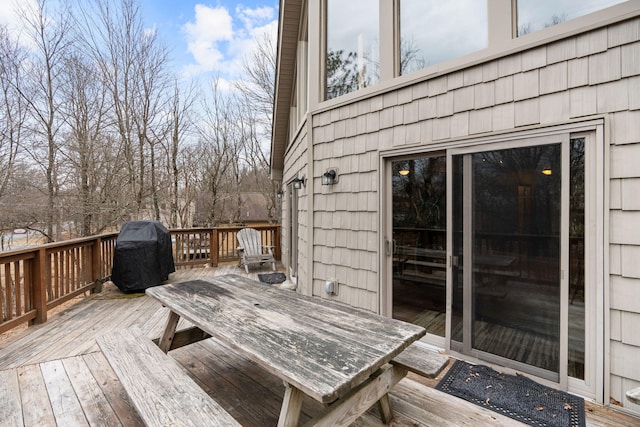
{"x":8,"y":15}
{"x":211,"y":27}
{"x":253,"y":17}
{"x":219,"y":42}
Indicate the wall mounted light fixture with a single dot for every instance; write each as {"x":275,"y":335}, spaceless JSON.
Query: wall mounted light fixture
{"x":298,"y":183}
{"x":330,"y":177}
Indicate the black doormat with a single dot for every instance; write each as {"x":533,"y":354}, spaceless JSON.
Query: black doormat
{"x":516,"y":397}
{"x":272,"y":278}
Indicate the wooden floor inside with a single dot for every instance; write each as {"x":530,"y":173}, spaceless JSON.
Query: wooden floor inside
{"x":54,"y":374}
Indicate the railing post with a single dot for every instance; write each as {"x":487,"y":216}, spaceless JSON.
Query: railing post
{"x":96,"y":265}
{"x":39,"y":288}
{"x":213,"y":247}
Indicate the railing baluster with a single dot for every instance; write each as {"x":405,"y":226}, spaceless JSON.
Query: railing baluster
{"x":41,"y":282}
{"x":8,"y":291}
{"x":18,"y":288}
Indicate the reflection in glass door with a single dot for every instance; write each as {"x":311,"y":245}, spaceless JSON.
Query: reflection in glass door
{"x":419,"y":242}
{"x":514,"y":254}
{"x":515,"y":229}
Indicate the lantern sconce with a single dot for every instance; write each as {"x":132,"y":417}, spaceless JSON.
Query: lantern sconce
{"x":330,"y":177}
{"x":298,"y":183}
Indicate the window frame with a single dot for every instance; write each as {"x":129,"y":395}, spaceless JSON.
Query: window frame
{"x":502,"y":41}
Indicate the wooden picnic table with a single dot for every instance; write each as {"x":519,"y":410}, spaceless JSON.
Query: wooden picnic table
{"x":337,"y":355}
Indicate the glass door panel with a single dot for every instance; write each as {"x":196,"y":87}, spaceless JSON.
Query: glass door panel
{"x":576,"y":366}
{"x":516,"y":254}
{"x":506,"y":255}
{"x":419,"y":242}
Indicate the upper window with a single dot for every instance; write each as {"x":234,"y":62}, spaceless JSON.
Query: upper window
{"x":299,"y":99}
{"x":433,"y":31}
{"x":534,"y":15}
{"x":353,"y":48}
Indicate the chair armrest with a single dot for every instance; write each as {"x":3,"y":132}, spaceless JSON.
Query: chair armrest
{"x":268,"y":248}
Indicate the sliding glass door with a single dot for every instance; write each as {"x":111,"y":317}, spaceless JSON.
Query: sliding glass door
{"x":491,"y":248}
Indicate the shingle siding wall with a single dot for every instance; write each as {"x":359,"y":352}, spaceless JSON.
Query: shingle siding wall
{"x":593,"y":73}
{"x":296,"y":166}
{"x":618,"y":93}
{"x":346,"y":215}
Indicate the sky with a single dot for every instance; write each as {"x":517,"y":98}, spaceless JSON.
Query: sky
{"x":207,"y":36}
{"x":210,"y":36}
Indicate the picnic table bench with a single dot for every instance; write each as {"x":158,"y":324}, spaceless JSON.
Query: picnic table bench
{"x":163,"y":393}
{"x":159,"y":388}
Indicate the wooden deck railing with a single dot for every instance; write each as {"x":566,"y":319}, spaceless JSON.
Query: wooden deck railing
{"x":35,"y":280}
{"x":191,"y":247}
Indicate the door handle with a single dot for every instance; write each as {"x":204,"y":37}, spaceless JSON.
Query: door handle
{"x":390,"y":246}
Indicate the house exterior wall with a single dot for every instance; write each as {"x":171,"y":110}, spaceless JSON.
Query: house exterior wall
{"x":296,"y":162}
{"x":591,"y":74}
{"x":346,"y":214}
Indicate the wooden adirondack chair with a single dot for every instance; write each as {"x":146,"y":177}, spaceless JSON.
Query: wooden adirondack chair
{"x":252,"y":251}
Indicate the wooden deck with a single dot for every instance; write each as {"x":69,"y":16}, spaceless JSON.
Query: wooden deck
{"x":54,"y":374}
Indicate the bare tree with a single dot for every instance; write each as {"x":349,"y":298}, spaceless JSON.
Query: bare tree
{"x":23,"y":201}
{"x":85,"y":111}
{"x":258,"y":83}
{"x":178,"y":127}
{"x":257,"y":90}
{"x":12,"y":120}
{"x":219,"y":150}
{"x":49,"y":31}
{"x":133,"y":64}
{"x":12,"y":108}
{"x":103,"y":132}
{"x":151,"y":82}
{"x":189,"y":181}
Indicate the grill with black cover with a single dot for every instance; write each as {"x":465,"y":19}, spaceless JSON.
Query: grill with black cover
{"x":142,"y":257}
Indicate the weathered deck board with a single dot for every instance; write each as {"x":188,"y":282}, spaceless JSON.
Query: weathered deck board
{"x":112,"y":389}
{"x":217,"y":370}
{"x":66,"y":407}
{"x":91,"y":397}
{"x":10,"y":404}
{"x":231,"y":381}
{"x":35,"y":400}
{"x":430,"y":407}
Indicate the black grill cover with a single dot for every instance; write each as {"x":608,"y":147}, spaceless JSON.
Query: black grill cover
{"x":142,"y":257}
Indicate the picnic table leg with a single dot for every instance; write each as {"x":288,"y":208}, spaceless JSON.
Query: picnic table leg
{"x":384,"y":406}
{"x":348,"y":408}
{"x":169,"y":332}
{"x":291,"y":406}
